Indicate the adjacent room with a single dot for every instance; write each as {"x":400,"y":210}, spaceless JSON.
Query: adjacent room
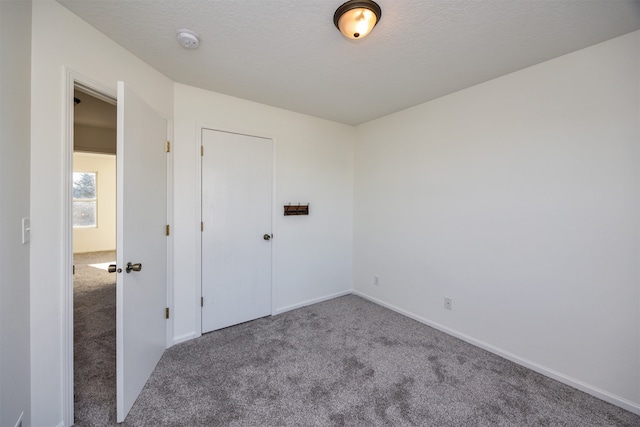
{"x":94,"y":244}
{"x":429,"y":215}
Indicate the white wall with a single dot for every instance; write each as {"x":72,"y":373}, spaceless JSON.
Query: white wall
{"x":518,"y":198}
{"x":15,"y":81}
{"x":60,"y":39}
{"x":314,"y":163}
{"x":103,"y":236}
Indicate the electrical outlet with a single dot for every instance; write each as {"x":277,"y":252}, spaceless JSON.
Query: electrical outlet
{"x":376,"y":280}
{"x":448,"y":303}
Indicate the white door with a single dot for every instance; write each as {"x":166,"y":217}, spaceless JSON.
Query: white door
{"x":236,"y":215}
{"x":141,"y":239}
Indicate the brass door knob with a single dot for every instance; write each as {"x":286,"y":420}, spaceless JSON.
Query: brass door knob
{"x":133,"y":267}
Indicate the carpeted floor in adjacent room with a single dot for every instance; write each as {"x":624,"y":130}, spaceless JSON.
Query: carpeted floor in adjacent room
{"x":345,"y":361}
{"x":94,"y":335}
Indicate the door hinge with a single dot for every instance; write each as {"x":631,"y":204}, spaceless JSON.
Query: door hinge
{"x":202,"y":150}
{"x":201,"y":301}
{"x":202,"y":226}
{"x":166,"y":313}
{"x":168,"y":230}
{"x":74,"y":269}
{"x":167,"y":147}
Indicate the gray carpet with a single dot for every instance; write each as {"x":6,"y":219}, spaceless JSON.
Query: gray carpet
{"x":343,"y":362}
{"x":94,"y":334}
{"x":350,"y":362}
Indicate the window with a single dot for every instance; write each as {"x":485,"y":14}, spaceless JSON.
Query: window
{"x":84,"y":199}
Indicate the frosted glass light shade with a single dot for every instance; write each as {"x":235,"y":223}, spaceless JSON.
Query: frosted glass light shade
{"x":355,"y":19}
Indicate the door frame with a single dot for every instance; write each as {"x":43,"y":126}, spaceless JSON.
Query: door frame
{"x":72,"y":79}
{"x":200,"y":128}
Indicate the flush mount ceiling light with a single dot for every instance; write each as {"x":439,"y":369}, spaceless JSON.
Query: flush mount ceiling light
{"x":356,"y":18}
{"x":188,"y":39}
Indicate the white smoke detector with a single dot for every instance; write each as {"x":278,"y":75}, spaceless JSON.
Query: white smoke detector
{"x":188,"y":39}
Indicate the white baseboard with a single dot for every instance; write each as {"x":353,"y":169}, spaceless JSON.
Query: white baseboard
{"x":311,"y":301}
{"x":589,"y":389}
{"x":184,"y":338}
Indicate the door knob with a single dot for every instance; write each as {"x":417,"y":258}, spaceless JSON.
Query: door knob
{"x":133,"y":267}
{"x":267,"y":236}
{"x":113,"y":269}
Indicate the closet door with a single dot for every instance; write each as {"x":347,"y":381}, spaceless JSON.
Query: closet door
{"x":236,"y":235}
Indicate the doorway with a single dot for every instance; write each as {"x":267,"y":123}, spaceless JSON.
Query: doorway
{"x":142,"y":235}
{"x":236,"y":200}
{"x":94,"y":244}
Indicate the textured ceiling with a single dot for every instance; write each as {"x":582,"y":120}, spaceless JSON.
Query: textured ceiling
{"x":287,"y":53}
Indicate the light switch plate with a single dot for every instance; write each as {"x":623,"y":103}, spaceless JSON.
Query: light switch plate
{"x":26,"y":230}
